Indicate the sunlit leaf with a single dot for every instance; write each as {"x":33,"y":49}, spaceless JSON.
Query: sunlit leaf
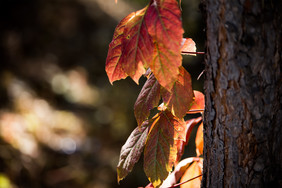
{"x":199,"y":141}
{"x":131,"y":48}
{"x":113,"y":66}
{"x":148,"y":98}
{"x":188,"y":46}
{"x":190,"y":124}
{"x":178,"y":171}
{"x":138,"y":46}
{"x":163,"y":19}
{"x":180,"y":98}
{"x":194,"y":170}
{"x":131,"y":150}
{"x":198,"y":103}
{"x":160,"y":150}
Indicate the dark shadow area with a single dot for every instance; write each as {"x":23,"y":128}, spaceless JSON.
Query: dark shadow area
{"x":61,"y":122}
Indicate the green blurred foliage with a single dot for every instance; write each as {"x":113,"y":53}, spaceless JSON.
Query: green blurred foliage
{"x":61,"y":122}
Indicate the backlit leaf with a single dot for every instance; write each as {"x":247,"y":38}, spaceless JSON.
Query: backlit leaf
{"x":148,"y":98}
{"x":131,"y":150}
{"x":198,"y":103}
{"x":190,"y":124}
{"x":188,"y":45}
{"x":180,"y":98}
{"x":163,"y":19}
{"x":194,"y":170}
{"x":131,"y":48}
{"x":199,"y":141}
{"x":178,"y":171}
{"x":113,"y":66}
{"x":160,"y":150}
{"x":138,"y":46}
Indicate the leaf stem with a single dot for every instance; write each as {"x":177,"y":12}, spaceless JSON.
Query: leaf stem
{"x":199,"y":110}
{"x":193,"y":53}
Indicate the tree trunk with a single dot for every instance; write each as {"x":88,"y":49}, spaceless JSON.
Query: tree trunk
{"x":243,"y":115}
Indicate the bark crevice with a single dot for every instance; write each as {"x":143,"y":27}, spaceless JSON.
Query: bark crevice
{"x":242,"y":126}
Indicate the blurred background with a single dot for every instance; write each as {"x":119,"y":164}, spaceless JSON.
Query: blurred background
{"x":62,"y":124}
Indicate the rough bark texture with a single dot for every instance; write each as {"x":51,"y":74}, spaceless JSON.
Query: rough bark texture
{"x":243,"y":117}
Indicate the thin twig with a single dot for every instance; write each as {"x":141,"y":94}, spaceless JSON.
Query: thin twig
{"x":193,"y":53}
{"x":199,"y":110}
{"x":200,"y":74}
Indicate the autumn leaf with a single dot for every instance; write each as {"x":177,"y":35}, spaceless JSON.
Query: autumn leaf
{"x":131,"y":48}
{"x":138,"y":46}
{"x":131,"y":150}
{"x":178,"y":172}
{"x":190,"y":124}
{"x":160,"y":150}
{"x":199,"y":141}
{"x":194,"y":170}
{"x":188,"y":46}
{"x":163,"y":19}
{"x":198,"y":103}
{"x":180,"y":98}
{"x":148,"y":98}
{"x":113,"y":66}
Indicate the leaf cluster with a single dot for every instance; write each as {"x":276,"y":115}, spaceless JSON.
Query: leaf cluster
{"x":150,"y":43}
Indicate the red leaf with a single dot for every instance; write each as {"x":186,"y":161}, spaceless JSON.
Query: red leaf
{"x":198,"y":103}
{"x":148,"y":98}
{"x":179,"y":100}
{"x":163,"y":20}
{"x":160,"y":150}
{"x":138,"y":46}
{"x":113,"y":66}
{"x":199,"y":140}
{"x":195,"y":169}
{"x":131,"y":150}
{"x":188,"y":45}
{"x":131,"y":48}
{"x":190,"y":124}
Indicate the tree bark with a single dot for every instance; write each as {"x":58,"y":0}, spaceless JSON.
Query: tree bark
{"x":243,"y":113}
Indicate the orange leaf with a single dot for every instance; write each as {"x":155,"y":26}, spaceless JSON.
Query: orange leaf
{"x":199,"y":141}
{"x":113,"y":66}
{"x":163,"y":19}
{"x":178,"y":172}
{"x":188,"y":45}
{"x":195,"y":169}
{"x":180,"y":98}
{"x":190,"y":124}
{"x":131,"y":48}
{"x":138,"y":46}
{"x":161,"y":151}
{"x":198,"y":103}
